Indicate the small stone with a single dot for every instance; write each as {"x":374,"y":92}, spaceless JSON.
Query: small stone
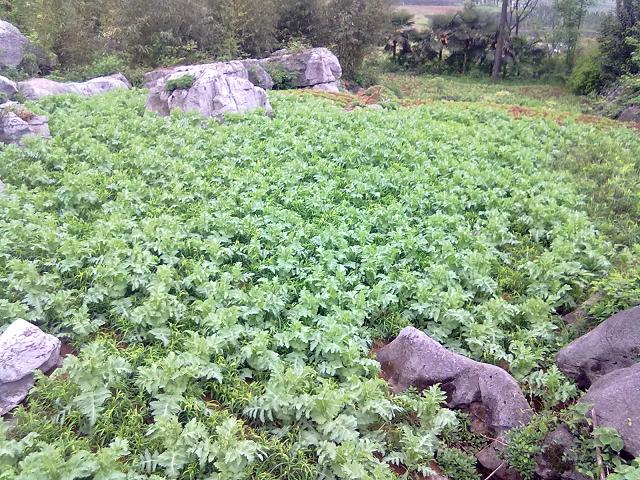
{"x":491,"y":458}
{"x":630,"y":114}
{"x":551,"y":463}
{"x":17,"y":122}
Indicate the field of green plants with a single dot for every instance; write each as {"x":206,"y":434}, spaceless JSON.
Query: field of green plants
{"x":221,"y":286}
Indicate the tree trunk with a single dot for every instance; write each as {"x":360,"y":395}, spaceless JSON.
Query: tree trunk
{"x":502,"y":33}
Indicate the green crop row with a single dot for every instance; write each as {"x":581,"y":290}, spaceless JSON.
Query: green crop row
{"x":223,"y":283}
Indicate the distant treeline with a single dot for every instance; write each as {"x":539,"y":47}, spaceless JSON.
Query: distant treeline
{"x":160,"y":32}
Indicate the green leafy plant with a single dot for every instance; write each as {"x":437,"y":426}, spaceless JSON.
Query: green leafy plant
{"x":458,"y":465}
{"x":222,"y":284}
{"x":183,"y":82}
{"x":283,"y":78}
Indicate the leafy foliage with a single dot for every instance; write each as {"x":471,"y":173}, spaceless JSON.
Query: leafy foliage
{"x":223,"y":282}
{"x":183,"y":82}
{"x":283,"y":79}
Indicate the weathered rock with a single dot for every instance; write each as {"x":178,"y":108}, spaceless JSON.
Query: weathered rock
{"x":17,"y":122}
{"x":8,"y":89}
{"x":491,"y":458}
{"x":24,"y":348}
{"x":630,"y":114}
{"x":257,"y":74}
{"x":317,"y":67}
{"x":1,"y":186}
{"x":218,"y":88}
{"x":36,"y":88}
{"x":12,"y":45}
{"x":551,"y":464}
{"x":414,"y":359}
{"x":615,"y":401}
{"x":613,"y":344}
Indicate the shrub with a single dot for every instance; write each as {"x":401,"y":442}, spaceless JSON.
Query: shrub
{"x":180,"y":83}
{"x":367,"y":75}
{"x":283,"y":79}
{"x":457,"y":465}
{"x":587,"y":76}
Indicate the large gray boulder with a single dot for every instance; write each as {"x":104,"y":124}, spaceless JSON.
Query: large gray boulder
{"x":216,"y":89}
{"x":414,"y":359}
{"x":37,"y":88}
{"x":613,"y":344}
{"x":16,"y":122}
{"x":615,"y":399}
{"x":8,"y":89}
{"x":12,"y":45}
{"x":24,"y":348}
{"x":317,"y":68}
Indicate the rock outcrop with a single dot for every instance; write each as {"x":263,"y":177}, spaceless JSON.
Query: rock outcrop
{"x":415,"y":359}
{"x":612,"y":345}
{"x":239,"y":86}
{"x":12,"y":45}
{"x":215,"y":89}
{"x":24,"y":348}
{"x":316,"y":68}
{"x":605,"y":360}
{"x":615,"y":402}
{"x":17,"y":122}
{"x":8,"y":89}
{"x":613,"y":399}
{"x":630,"y":114}
{"x":37,"y":88}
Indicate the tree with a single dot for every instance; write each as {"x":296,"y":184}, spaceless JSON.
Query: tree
{"x":467,"y":35}
{"x":353,"y":28}
{"x":619,"y":40}
{"x":502,"y":34}
{"x":572,"y":13}
{"x":299,"y":19}
{"x":70,"y":29}
{"x":402,"y":29}
{"x":519,"y":11}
